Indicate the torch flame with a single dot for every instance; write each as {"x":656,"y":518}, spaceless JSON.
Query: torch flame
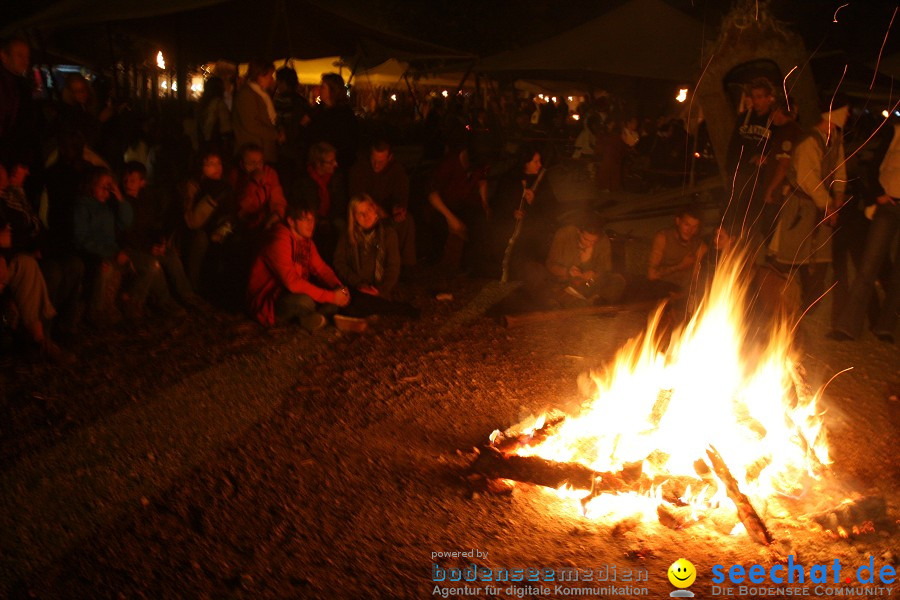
{"x":160,"y":61}
{"x":712,"y":386}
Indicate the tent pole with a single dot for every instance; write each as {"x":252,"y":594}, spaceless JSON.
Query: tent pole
{"x":463,"y":80}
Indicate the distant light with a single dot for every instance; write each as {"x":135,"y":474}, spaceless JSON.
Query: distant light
{"x":553,"y":99}
{"x":164,"y":85}
{"x":541,"y":96}
{"x":160,"y":61}
{"x":174,"y":86}
{"x":445,"y":93}
{"x":897,"y":113}
{"x":682,"y":95}
{"x":318,"y":99}
{"x":696,"y":155}
{"x":885,"y":114}
{"x":576,"y":117}
{"x":570,"y":98}
{"x":394,"y":97}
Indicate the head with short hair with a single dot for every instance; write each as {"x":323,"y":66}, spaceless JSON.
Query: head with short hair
{"x":262,"y":73}
{"x":99,"y":183}
{"x":15,"y":54}
{"x":687,"y":223}
{"x":252,"y":158}
{"x":211,"y":166}
{"x":529,"y":159}
{"x":134,"y":178}
{"x":591,"y":223}
{"x":77,"y":90}
{"x":323,"y":157}
{"x":380,"y":155}
{"x":762,"y":95}
{"x":300,"y":219}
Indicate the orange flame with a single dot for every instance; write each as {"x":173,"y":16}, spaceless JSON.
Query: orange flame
{"x":709,"y":387}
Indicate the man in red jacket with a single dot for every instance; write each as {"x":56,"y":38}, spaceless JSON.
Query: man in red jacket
{"x":281,"y":284}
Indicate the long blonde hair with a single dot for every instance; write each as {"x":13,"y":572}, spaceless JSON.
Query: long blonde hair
{"x":355,"y":236}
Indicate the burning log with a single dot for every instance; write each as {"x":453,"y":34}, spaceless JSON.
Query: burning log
{"x":748,"y":515}
{"x":852,"y":514}
{"x":494,"y":464}
{"x":675,"y":517}
{"x":557,"y":315}
{"x":507,"y":443}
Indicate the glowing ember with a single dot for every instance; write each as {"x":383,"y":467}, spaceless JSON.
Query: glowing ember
{"x":710,"y":388}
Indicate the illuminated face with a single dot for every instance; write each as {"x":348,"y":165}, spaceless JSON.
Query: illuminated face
{"x":133,"y":183}
{"x":304,"y":226}
{"x":328,"y":164}
{"x":687,"y":226}
{"x":102,"y":188}
{"x":682,"y":573}
{"x":761,"y":101}
{"x":380,"y":160}
{"x":721,"y":241}
{"x":252,"y":161}
{"x":212,"y":167}
{"x":17,"y":58}
{"x":365,"y":214}
{"x":534,"y":165}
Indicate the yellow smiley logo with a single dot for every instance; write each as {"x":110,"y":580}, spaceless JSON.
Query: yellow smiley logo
{"x":682,"y":573}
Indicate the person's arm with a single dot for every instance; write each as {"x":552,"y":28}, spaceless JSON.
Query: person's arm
{"x":807,"y":163}
{"x":277,"y":201}
{"x":657,"y":250}
{"x":342,"y":262}
{"x":391,"y":263}
{"x":278,"y":257}
{"x":556,"y":261}
{"x":322,"y":271}
{"x":456,"y":226}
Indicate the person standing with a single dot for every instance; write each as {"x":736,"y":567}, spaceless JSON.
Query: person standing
{"x":253,"y":115}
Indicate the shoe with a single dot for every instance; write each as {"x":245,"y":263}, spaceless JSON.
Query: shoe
{"x":839,"y":336}
{"x":884,"y":337}
{"x":312,"y":322}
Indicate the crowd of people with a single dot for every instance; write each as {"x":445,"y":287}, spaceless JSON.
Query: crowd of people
{"x":294,"y":211}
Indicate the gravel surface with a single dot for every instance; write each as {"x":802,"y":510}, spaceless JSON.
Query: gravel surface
{"x":207,"y":458}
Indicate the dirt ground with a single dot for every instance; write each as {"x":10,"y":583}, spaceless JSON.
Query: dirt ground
{"x":207,"y":458}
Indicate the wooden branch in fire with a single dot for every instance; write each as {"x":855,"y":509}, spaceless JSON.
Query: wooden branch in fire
{"x":748,"y":515}
{"x":492,"y":463}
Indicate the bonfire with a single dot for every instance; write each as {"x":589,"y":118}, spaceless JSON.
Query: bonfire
{"x":709,"y":420}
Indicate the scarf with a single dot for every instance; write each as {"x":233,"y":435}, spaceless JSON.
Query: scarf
{"x":322,"y":182}
{"x":270,"y":108}
{"x":365,"y":240}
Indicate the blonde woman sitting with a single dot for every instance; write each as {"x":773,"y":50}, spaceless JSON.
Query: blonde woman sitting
{"x":367,"y":259}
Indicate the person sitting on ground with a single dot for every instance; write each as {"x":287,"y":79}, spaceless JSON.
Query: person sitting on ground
{"x":322,"y":187}
{"x":282,"y":288}
{"x":210,"y":214}
{"x":367,"y":258}
{"x":260,"y":198}
{"x":675,"y":254}
{"x":578,"y":270}
{"x":97,"y":225}
{"x":150,"y":236}
{"x":30,"y":302}
{"x":63,"y":272}
{"x":386,"y":182}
